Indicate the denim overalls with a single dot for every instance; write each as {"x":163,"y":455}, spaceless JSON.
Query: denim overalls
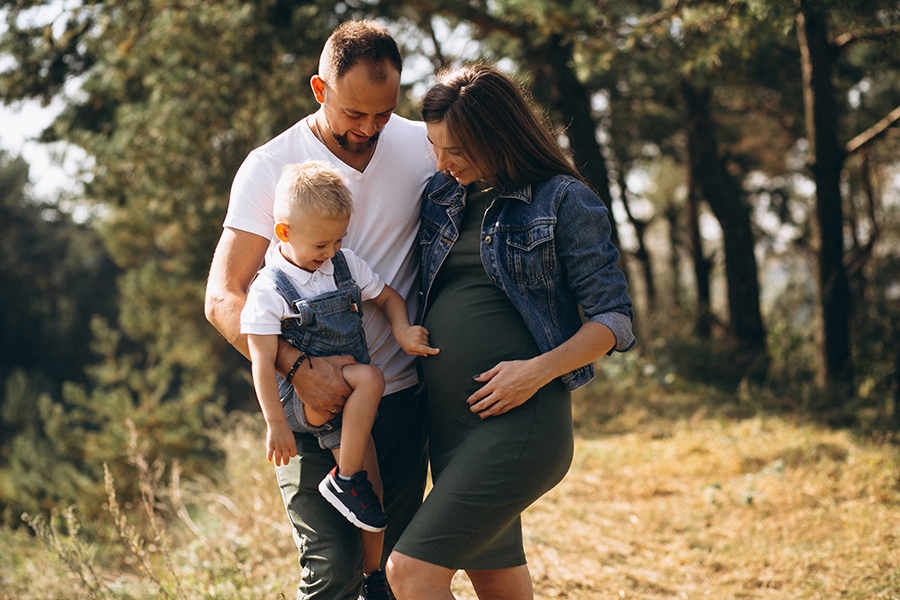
{"x":327,"y":325}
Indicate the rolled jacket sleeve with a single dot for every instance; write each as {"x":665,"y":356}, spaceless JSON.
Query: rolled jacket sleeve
{"x":620,"y":325}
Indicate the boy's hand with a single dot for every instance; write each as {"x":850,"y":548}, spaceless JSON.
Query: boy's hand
{"x":414,"y":341}
{"x":280,"y":444}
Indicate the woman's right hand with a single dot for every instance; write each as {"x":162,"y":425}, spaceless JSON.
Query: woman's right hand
{"x":508,"y":385}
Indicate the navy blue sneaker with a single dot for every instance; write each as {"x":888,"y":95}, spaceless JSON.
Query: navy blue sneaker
{"x":355,"y":499}
{"x":376,"y":587}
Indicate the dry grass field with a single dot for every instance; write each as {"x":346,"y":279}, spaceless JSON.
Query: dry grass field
{"x":665,"y":499}
{"x":664,"y":503}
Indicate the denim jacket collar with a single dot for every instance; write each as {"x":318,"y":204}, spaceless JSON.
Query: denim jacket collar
{"x":452,"y":191}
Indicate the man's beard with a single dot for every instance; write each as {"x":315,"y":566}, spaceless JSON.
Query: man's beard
{"x":349,"y":146}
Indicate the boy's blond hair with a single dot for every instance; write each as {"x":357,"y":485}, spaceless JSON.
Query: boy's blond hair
{"x":312,"y":187}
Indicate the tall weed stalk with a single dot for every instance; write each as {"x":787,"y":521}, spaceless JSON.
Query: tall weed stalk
{"x":60,"y":533}
{"x":149,"y":546}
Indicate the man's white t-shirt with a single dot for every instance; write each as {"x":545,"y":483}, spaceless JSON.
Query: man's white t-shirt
{"x":383,"y":228}
{"x":266,"y":307}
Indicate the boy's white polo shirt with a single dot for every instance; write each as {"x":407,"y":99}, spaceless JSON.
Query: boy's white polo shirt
{"x":266,"y":307}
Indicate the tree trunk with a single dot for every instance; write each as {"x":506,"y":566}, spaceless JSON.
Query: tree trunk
{"x":573,"y":102}
{"x":722,"y":192}
{"x":672,"y":212}
{"x":704,"y":318}
{"x":895,"y":384}
{"x":641,"y":254}
{"x":826,"y":157}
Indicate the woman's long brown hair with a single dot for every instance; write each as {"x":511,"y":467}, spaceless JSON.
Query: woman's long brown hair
{"x":487,"y":114}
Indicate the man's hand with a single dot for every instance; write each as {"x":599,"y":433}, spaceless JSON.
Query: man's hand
{"x":321,"y":387}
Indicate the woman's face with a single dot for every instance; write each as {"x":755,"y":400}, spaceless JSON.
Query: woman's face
{"x":452,"y":158}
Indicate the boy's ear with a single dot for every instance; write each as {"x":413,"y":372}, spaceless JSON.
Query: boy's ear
{"x":281,"y":231}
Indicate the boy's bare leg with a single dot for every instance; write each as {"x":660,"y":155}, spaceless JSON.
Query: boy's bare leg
{"x":358,"y":417}
{"x":360,"y":410}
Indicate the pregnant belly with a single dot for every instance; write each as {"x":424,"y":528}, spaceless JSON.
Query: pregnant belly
{"x":475,"y":326}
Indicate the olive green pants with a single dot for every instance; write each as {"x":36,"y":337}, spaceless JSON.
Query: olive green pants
{"x":330,"y":546}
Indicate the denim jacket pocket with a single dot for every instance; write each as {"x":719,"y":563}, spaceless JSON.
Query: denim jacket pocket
{"x":530,"y":252}
{"x":427,"y":235}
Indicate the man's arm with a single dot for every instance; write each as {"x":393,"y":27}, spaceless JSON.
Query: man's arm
{"x":237,"y":259}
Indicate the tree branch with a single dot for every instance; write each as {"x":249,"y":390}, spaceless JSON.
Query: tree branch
{"x":478,"y":16}
{"x":872,"y":132}
{"x":851,"y":37}
{"x":662,"y":15}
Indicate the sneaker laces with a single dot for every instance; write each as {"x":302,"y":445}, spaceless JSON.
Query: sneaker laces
{"x":376,"y":586}
{"x":363,"y":490}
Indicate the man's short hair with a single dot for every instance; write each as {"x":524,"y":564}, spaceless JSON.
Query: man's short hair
{"x":355,"y":42}
{"x":312,"y":187}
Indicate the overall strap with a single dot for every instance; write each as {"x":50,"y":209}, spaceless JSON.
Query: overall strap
{"x":342,"y":277}
{"x":285,"y":287}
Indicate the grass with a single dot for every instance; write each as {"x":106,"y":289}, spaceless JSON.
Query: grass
{"x":756,"y":509}
{"x":672,"y":494}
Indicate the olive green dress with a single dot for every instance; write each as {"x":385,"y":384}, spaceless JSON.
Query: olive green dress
{"x":485,"y":472}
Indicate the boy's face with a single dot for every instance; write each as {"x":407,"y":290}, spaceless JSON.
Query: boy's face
{"x":311,"y":240}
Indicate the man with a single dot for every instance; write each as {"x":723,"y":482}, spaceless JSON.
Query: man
{"x":386,"y":161}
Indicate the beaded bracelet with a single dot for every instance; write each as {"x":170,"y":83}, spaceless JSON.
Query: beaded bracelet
{"x":297,"y":363}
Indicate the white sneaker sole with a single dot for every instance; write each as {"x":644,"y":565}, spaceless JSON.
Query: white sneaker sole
{"x":332,"y":498}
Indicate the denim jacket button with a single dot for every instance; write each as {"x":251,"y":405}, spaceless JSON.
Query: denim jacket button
{"x":487,"y":239}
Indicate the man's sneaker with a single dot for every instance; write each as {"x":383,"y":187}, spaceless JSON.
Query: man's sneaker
{"x":355,"y":499}
{"x":376,"y":587}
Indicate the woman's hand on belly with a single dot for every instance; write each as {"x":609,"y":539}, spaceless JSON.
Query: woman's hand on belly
{"x":511,"y":383}
{"x":508,"y":385}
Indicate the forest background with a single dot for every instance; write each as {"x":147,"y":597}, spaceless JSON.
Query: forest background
{"x":749,"y":151}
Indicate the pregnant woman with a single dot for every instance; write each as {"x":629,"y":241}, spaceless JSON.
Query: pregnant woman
{"x":513,"y":243}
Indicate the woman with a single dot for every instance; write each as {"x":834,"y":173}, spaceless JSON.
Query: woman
{"x":513,"y":243}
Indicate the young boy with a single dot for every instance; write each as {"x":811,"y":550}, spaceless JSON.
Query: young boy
{"x":311,"y":294}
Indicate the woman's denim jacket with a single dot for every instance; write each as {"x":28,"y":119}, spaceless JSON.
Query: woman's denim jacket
{"x":548,"y":247}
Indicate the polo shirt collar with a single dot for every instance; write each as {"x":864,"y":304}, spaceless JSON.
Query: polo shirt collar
{"x":301,"y":276}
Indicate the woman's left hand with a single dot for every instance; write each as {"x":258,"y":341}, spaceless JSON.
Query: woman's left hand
{"x":507,"y":385}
